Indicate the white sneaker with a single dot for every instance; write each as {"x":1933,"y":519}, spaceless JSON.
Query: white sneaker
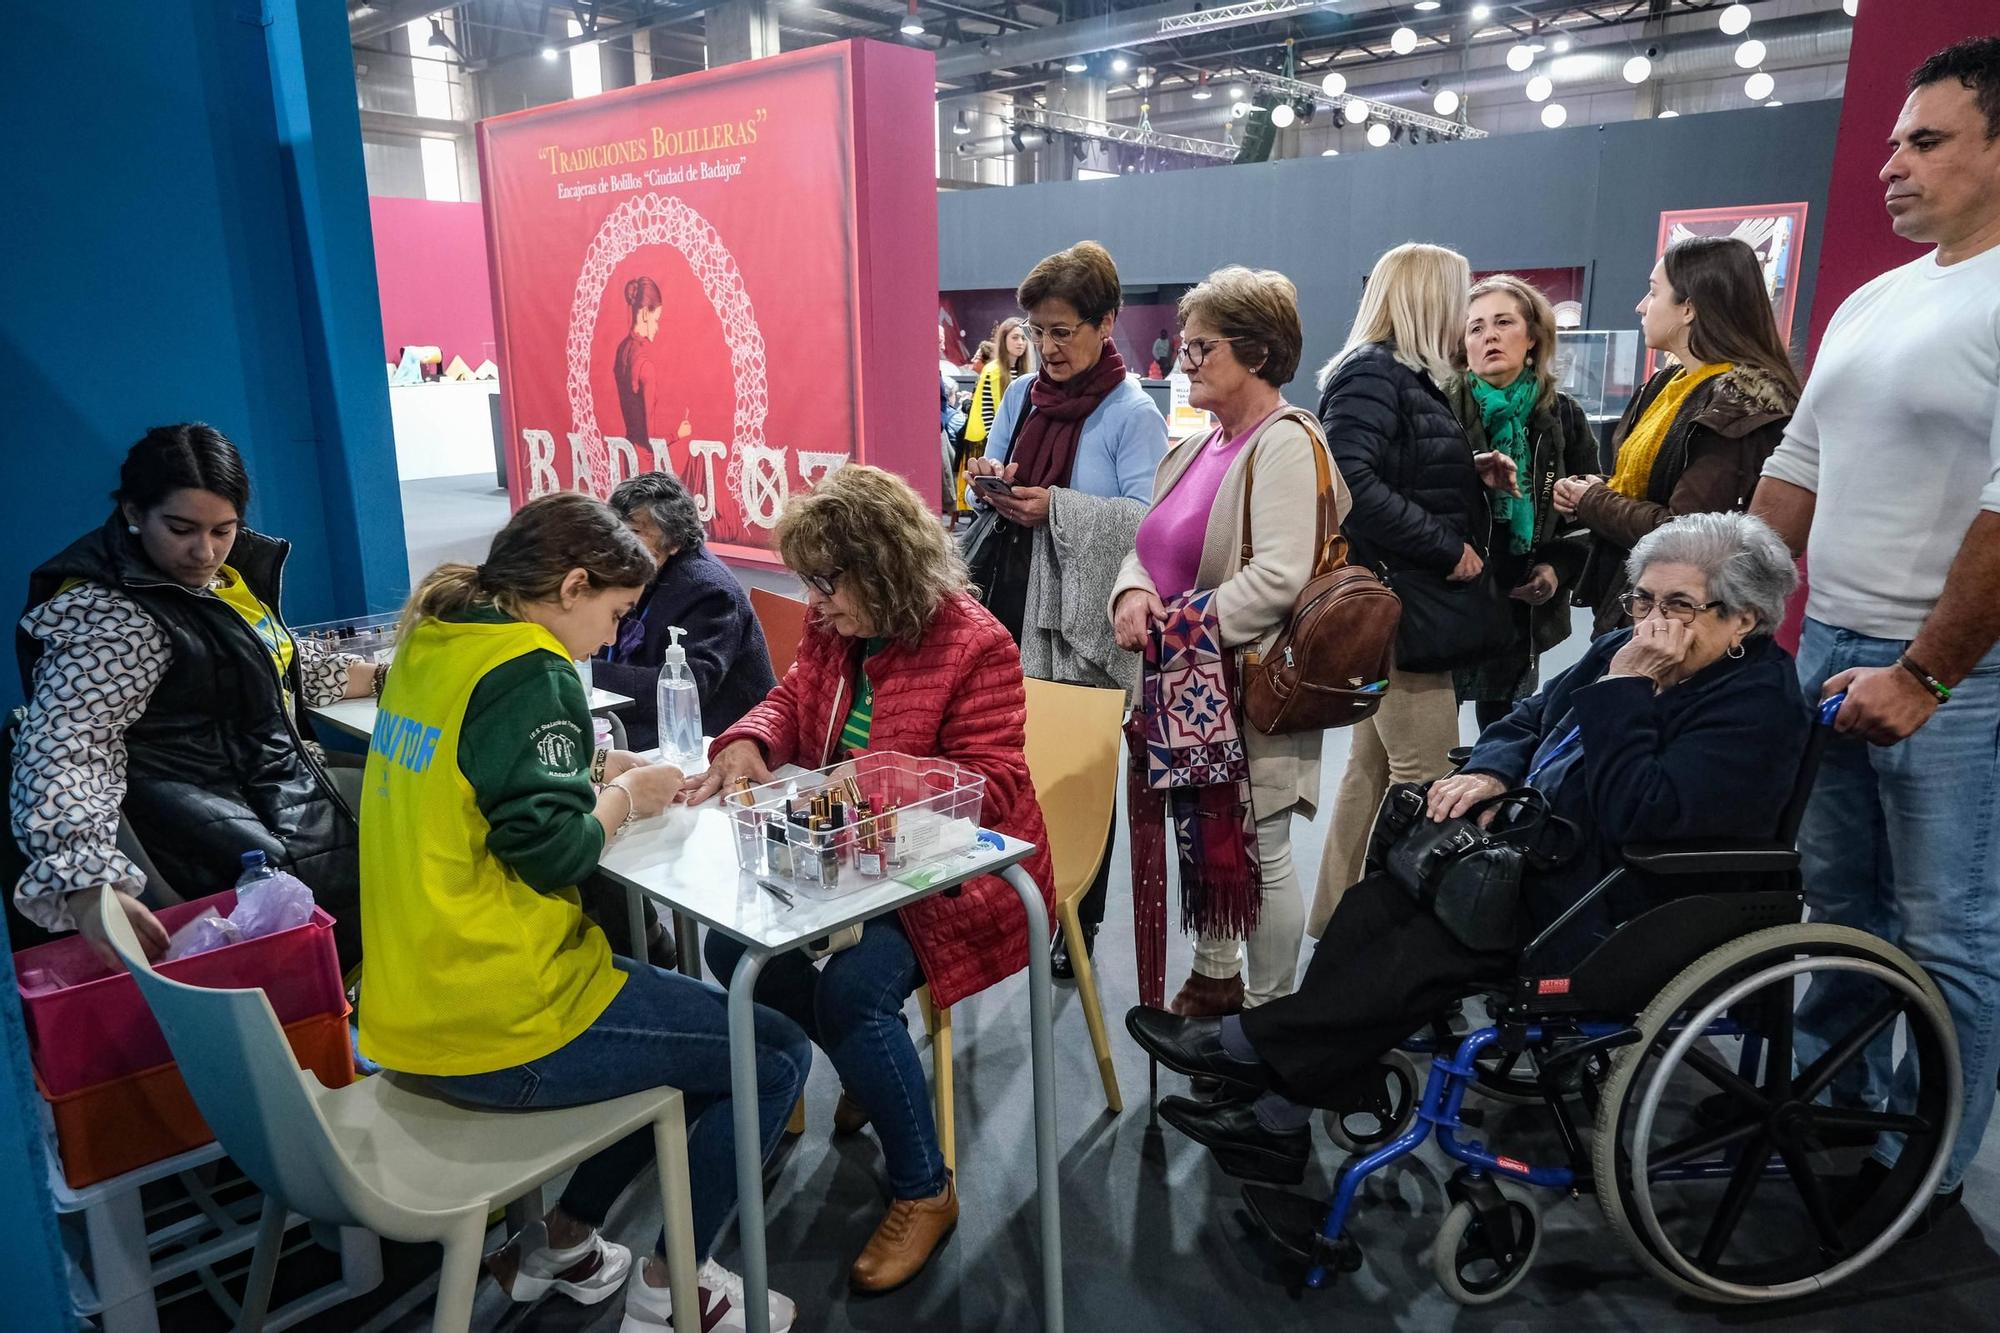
{"x":586,"y":1273}
{"x":648,"y":1309}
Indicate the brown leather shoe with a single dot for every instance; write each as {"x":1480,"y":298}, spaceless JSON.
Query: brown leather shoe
{"x":905,"y":1240}
{"x":849,"y":1116}
{"x":1208,"y":997}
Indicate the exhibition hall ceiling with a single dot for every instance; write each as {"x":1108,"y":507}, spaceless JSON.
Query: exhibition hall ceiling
{"x":1177,"y":67}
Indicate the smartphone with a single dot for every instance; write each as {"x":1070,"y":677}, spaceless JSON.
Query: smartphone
{"x":993,"y":485}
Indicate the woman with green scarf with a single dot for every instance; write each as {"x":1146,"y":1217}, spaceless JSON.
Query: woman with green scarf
{"x":1508,"y":403}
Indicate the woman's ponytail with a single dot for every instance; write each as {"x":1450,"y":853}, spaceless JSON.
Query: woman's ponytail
{"x":445,"y":591}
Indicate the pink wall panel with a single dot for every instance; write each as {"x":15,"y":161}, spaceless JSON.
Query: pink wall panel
{"x":430,"y":263}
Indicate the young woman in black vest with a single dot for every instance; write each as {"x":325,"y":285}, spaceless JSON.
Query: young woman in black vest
{"x":163,"y":683}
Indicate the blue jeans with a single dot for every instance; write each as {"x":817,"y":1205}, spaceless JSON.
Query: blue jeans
{"x":661,"y":1029}
{"x":852,"y":1008}
{"x":1903,"y":842}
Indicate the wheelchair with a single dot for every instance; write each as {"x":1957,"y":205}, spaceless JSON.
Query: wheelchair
{"x":1666,"y":1060}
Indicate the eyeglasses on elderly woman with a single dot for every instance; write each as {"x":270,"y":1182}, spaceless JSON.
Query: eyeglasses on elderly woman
{"x":1639,"y":604}
{"x":1194,"y":351}
{"x":823,"y":584}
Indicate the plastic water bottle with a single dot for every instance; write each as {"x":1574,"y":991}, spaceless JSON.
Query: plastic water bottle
{"x":679,"y":708}
{"x":255,"y":871}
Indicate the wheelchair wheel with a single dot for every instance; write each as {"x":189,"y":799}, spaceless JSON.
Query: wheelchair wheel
{"x":1384,"y":1109}
{"x":1726,"y":1174}
{"x":1463,"y":1259}
{"x":1507,"y":1077}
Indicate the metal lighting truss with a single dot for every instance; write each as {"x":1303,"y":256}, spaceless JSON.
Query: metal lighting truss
{"x":1383,"y":111}
{"x":1229,"y":16}
{"x":1107,"y":132}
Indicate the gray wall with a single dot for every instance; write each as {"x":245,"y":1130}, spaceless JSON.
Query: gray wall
{"x":1587,"y":196}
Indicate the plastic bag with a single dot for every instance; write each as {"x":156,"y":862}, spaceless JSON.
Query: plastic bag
{"x":273,"y":903}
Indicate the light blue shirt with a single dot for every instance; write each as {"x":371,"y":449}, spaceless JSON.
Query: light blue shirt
{"x":1121,"y":447}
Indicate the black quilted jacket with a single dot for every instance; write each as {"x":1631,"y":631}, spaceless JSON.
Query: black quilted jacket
{"x":1403,"y":455}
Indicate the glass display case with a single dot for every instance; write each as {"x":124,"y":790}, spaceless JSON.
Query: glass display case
{"x":1599,"y":368}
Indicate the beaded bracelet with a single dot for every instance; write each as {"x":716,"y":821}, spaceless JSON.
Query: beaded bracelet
{"x":1938,"y":689}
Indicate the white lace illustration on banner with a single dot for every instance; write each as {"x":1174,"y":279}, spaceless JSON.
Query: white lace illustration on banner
{"x":755,"y":473}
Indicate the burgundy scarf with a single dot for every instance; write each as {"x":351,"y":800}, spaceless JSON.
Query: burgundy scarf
{"x":1045,"y":450}
{"x":1187,"y":759}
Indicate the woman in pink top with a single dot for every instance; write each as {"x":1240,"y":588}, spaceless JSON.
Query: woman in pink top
{"x":1240,"y":343}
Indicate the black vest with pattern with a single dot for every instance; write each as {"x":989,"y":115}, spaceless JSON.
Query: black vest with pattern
{"x":217,"y":764}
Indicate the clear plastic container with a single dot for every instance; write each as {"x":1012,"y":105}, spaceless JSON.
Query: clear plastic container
{"x":678,"y":709}
{"x":371,"y":638}
{"x":917,"y":812}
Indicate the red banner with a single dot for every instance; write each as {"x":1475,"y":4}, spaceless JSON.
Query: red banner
{"x":678,"y":287}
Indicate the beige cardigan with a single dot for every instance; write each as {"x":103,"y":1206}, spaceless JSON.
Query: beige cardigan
{"x":1252,"y":602}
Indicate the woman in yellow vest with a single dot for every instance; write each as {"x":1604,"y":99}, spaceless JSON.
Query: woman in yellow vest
{"x":479,"y":816}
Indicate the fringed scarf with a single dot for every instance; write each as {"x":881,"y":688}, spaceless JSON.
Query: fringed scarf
{"x":1187,"y":759}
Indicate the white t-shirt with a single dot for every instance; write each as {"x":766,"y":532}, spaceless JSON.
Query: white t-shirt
{"x":1899,"y":434}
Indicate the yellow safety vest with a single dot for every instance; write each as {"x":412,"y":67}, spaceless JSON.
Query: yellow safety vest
{"x":469,"y":970}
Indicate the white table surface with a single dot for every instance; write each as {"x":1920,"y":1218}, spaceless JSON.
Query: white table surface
{"x":686,"y":860}
{"x":356,"y":717}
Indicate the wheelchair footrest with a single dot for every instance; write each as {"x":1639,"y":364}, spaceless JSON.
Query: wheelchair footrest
{"x":1292,"y":1222}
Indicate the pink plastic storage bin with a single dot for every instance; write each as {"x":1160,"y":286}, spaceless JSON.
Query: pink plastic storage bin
{"x":88,"y":1024}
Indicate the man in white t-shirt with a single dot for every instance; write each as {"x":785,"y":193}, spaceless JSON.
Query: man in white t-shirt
{"x":1889,"y":479}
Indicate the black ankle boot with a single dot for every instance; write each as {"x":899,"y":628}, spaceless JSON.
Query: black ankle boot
{"x":1060,"y":965}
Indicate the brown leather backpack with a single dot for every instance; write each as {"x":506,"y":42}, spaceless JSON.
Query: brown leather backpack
{"x":1329,"y":666}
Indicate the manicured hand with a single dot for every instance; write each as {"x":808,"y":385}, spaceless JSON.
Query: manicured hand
{"x":1498,"y":471}
{"x":1884,"y":704}
{"x":1136,"y":610}
{"x":737,"y":759}
{"x":1453,"y":796}
{"x":1539,"y":588}
{"x":1025,"y":505}
{"x":1469,"y":565}
{"x":1657,"y":648}
{"x":86,"y":909}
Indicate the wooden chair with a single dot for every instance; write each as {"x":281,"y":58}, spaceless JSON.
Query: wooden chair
{"x":384,"y":1153}
{"x":784,"y":623}
{"x":1073,"y":748}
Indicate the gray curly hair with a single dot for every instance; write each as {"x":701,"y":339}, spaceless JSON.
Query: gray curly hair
{"x":1746,"y":563}
{"x":661,"y":495}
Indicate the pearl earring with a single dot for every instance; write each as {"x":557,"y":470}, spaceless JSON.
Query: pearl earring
{"x":132,"y":528}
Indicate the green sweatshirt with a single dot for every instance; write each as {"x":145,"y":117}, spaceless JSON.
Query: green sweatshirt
{"x":542,"y":825}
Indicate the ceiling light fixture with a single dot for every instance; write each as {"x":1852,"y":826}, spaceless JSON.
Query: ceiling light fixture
{"x":1734,"y":19}
{"x":1481,"y":13}
{"x":1354,"y":110}
{"x":1076,"y":65}
{"x":548,"y":53}
{"x":1563,"y":44}
{"x":1540,"y":87}
{"x":1759,"y":86}
{"x":1426,"y":6}
{"x":1119,"y":64}
{"x":1774,"y":102}
{"x":437,"y":37}
{"x":1519,"y":57}
{"x":912,"y":25}
{"x":1236,"y":92}
{"x":1638,"y":69}
{"x":1201,"y":91}
{"x":961,"y":125}
{"x":1403,"y":41}
{"x":1239,"y":110}
{"x":1446,"y":103}
{"x":1282,"y":115}
{"x":1667,"y":115}
{"x":1329,"y":152}
{"x":1553,"y":115}
{"x":1378,"y":135}
{"x":1750,"y":54}
{"x":1334,"y":84}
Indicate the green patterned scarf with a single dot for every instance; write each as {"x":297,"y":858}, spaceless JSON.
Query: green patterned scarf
{"x":1505,"y":413}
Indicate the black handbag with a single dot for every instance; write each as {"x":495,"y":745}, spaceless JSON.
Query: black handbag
{"x":1447,"y":625}
{"x":1466,"y":876}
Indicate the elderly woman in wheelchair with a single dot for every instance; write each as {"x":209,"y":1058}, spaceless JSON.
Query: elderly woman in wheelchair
{"x":1613,"y":864}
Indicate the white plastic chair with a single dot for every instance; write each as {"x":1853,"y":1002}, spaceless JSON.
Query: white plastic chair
{"x":381,"y":1153}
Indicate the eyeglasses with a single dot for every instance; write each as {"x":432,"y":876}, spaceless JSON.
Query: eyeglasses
{"x":823,"y":584}
{"x":1194,"y":351}
{"x":1056,"y":335}
{"x":1639,"y":605}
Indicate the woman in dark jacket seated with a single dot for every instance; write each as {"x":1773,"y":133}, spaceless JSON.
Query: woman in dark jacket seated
{"x":1689,"y":725}
{"x":725,"y":646}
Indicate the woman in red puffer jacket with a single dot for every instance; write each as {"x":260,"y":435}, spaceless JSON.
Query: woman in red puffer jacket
{"x":898,"y":657}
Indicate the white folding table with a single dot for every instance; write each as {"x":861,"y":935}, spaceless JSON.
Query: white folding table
{"x":686,"y":860}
